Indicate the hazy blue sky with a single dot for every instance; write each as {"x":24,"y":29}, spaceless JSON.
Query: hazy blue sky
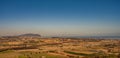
{"x":60,"y":17}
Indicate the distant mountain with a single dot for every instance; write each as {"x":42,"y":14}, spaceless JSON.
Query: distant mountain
{"x":31,"y":35}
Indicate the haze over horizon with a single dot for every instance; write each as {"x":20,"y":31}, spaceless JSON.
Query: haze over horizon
{"x":60,"y":17}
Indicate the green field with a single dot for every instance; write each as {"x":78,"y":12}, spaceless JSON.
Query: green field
{"x":14,"y":54}
{"x":95,"y":55}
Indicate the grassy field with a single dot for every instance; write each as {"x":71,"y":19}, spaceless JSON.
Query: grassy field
{"x":37,"y":55}
{"x":59,"y":48}
{"x":94,"y":55}
{"x":14,"y":54}
{"x":9,"y":54}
